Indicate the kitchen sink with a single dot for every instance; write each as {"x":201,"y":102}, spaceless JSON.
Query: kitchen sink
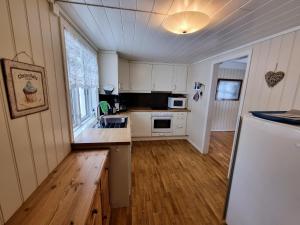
{"x":111,"y":122}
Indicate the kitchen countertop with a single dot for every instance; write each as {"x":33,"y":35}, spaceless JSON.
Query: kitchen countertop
{"x":149,"y":109}
{"x":104,"y":136}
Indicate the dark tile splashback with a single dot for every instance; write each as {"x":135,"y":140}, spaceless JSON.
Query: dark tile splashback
{"x":154,"y":100}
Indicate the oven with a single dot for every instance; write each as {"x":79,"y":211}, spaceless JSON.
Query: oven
{"x":162,"y":124}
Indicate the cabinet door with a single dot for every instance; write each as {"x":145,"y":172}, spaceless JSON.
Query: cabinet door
{"x":162,"y":77}
{"x":95,"y":217}
{"x":179,"y":123}
{"x":140,"y":124}
{"x":120,"y":176}
{"x":123,"y":75}
{"x":140,"y":77}
{"x":179,"y":79}
{"x":108,"y":71}
{"x":105,"y":198}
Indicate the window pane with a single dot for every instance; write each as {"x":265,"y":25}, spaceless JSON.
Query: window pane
{"x":228,"y":89}
{"x":73,"y":105}
{"x":82,"y":103}
{"x":83,"y":75}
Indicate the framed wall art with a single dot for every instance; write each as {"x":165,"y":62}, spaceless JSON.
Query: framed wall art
{"x":26,"y":88}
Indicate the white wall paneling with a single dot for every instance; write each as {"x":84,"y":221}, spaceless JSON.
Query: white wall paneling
{"x":31,"y":146}
{"x":283,"y":49}
{"x":225,"y":112}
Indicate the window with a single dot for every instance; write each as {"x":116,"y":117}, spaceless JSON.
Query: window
{"x":228,"y":89}
{"x":83,"y":79}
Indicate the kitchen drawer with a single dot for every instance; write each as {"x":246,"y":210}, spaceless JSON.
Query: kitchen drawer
{"x":179,"y":130}
{"x":180,"y":114}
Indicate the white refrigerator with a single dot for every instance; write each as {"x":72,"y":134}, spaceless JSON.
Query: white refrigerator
{"x":264,"y":186}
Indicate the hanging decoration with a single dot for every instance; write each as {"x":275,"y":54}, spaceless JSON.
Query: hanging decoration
{"x":199,"y":89}
{"x":25,"y":86}
{"x":274,"y":77}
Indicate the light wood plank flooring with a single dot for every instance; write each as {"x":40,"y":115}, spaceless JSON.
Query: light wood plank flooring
{"x":174,"y":184}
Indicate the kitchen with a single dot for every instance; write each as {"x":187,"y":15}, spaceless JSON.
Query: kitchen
{"x":158,"y":160}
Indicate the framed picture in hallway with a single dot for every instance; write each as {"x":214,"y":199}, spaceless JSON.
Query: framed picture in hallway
{"x":26,"y":88}
{"x":228,"y":89}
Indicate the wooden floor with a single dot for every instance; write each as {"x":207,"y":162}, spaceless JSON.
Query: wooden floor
{"x":174,"y":184}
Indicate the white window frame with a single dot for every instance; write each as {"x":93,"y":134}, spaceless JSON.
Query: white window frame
{"x":77,"y":127}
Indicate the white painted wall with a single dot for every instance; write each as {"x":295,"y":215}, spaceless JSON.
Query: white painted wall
{"x":225,"y":113}
{"x":31,"y":146}
{"x":284,"y":49}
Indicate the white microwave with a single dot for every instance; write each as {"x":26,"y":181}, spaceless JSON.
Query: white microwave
{"x":177,"y":103}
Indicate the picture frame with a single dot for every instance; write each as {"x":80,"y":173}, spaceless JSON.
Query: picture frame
{"x":26,"y":88}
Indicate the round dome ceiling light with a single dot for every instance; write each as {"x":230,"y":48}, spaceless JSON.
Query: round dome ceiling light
{"x":186,"y":22}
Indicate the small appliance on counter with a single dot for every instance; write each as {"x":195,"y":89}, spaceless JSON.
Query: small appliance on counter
{"x":113,"y":101}
{"x":177,"y":102}
{"x":108,"y":89}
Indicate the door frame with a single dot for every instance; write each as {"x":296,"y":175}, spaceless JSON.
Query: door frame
{"x":214,"y":78}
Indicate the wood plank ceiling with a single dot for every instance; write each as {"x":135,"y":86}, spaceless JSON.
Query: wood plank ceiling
{"x":140,"y":35}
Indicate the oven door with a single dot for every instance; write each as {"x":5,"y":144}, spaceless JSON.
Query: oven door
{"x":161,"y":124}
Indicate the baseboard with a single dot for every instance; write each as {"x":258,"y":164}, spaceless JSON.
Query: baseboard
{"x":195,"y":146}
{"x":159,"y":138}
{"x":222,"y":130}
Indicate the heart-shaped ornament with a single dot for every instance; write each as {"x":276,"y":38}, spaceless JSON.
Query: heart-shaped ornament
{"x":273,"y":78}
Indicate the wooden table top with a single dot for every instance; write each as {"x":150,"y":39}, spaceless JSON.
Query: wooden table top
{"x":105,"y":136}
{"x":67,"y":193}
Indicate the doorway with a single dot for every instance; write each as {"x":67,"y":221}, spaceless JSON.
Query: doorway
{"x":227,"y":92}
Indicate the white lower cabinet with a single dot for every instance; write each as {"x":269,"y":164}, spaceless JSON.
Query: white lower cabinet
{"x":179,"y":123}
{"x":140,"y":124}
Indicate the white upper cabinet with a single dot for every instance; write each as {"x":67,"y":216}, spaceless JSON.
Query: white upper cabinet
{"x":140,"y":77}
{"x":128,"y":76}
{"x":124,"y":81}
{"x":179,"y":79}
{"x":162,"y":76}
{"x":108,"y":71}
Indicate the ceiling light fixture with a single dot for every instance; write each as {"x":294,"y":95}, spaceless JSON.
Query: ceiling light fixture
{"x":186,"y":22}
